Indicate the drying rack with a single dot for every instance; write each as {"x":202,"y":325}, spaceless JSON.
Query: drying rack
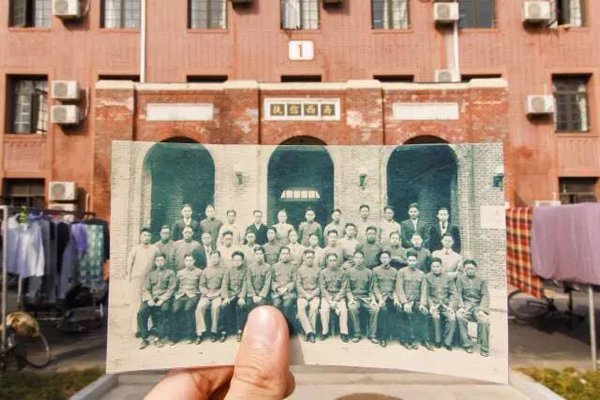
{"x":6,"y":210}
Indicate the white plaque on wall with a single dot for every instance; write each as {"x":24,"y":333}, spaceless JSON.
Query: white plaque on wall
{"x":493,"y":217}
{"x":301,"y":50}
{"x":179,"y":112}
{"x":425,"y":111}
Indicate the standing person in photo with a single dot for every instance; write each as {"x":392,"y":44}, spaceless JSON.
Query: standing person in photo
{"x":232,"y":226}
{"x":308,"y":227}
{"x":283,"y":228}
{"x":185,"y":221}
{"x":211,"y":224}
{"x":259,"y":229}
{"x":412,"y":225}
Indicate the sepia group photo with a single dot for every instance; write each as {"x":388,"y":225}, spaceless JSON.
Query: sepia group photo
{"x":394,"y":257}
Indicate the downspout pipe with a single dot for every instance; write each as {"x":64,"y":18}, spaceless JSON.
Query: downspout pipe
{"x":143,"y":41}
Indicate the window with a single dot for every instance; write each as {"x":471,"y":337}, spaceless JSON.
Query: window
{"x":301,"y":78}
{"x":571,"y":97}
{"x":207,"y":14}
{"x":121,"y":14}
{"x":207,"y":78}
{"x":134,"y":78}
{"x":469,"y":78}
{"x":300,"y":14}
{"x":476,"y":13}
{"x":568,"y":12}
{"x":30,"y":13}
{"x":394,"y":78}
{"x":577,"y":190}
{"x":24,"y":192}
{"x":28,"y":104}
{"x":389,"y":14}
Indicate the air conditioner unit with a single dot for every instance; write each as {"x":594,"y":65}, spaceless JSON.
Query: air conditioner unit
{"x":63,"y":207}
{"x":444,"y":13}
{"x":539,"y":105}
{"x":536,"y":11}
{"x":65,"y":115}
{"x":446,"y":75}
{"x":65,"y":90}
{"x":66,"y":9}
{"x":62,"y":191}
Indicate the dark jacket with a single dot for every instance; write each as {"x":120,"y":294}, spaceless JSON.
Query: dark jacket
{"x":261,"y":233}
{"x":177,"y":230}
{"x":407,"y":229}
{"x":434,"y":237}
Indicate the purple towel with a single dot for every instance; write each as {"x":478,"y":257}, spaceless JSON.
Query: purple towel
{"x":565,"y":243}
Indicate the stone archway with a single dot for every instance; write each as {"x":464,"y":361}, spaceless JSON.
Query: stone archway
{"x":300,"y":175}
{"x":178,"y":173}
{"x":424,"y":174}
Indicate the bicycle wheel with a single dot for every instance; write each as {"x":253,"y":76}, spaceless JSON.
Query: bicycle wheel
{"x":33,"y":350}
{"x":525,"y":307}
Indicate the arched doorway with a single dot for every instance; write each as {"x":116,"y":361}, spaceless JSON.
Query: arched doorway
{"x":179,"y":173}
{"x":425,"y":139}
{"x":423,"y":174}
{"x":300,"y":175}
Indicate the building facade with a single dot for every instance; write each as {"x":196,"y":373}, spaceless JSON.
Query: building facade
{"x":235,"y":62}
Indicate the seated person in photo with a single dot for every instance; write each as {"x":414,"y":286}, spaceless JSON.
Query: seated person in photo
{"x":333,"y":247}
{"x":210,"y":297}
{"x":360,"y":296}
{"x":473,"y":305}
{"x":451,"y":260}
{"x":396,"y":251}
{"x":314,"y":246}
{"x":332,"y":282}
{"x":307,"y":286}
{"x":187,"y":245}
{"x":423,"y":255}
{"x":186,"y":300}
{"x":308,"y":227}
{"x":258,"y":279}
{"x":413,"y":300}
{"x":283,"y":285}
{"x":296,"y":249}
{"x":157,"y":294}
{"x":370,"y":248}
{"x":272,"y":247}
{"x":441,"y":301}
{"x":384,"y":290}
{"x":235,"y":308}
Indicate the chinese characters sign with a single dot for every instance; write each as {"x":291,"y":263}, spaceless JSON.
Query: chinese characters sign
{"x":305,"y":109}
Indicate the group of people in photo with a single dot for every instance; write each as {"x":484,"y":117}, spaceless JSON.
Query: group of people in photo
{"x":375,"y":280}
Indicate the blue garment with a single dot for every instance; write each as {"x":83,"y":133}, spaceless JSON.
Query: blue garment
{"x":90,"y":265}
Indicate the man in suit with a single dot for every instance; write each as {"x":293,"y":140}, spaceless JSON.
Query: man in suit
{"x":412,"y":225}
{"x":204,"y":251}
{"x":185,"y":221}
{"x":259,"y":229}
{"x":443,"y":227}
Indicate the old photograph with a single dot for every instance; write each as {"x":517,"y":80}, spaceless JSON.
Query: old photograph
{"x":378,"y":256}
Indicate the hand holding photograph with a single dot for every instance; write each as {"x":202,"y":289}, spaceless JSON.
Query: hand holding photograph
{"x":377,"y":256}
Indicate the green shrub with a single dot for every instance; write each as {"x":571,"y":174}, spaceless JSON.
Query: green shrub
{"x":568,"y":383}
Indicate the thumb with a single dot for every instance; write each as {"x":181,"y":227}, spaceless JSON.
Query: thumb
{"x":261,"y":368}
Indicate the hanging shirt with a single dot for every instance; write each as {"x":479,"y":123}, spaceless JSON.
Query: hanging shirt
{"x":25,"y":250}
{"x":90,"y":265}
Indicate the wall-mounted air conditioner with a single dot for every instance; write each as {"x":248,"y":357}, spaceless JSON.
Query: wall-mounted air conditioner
{"x":536,"y":11}
{"x":65,"y":90}
{"x":65,"y":115}
{"x":62,"y":191}
{"x":539,"y":105}
{"x":445,"y":13}
{"x":66,"y":9}
{"x":446,"y":76}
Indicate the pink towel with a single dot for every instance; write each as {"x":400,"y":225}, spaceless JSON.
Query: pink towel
{"x":565,"y":243}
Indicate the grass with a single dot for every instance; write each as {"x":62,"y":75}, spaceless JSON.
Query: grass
{"x":568,"y":383}
{"x":45,"y":386}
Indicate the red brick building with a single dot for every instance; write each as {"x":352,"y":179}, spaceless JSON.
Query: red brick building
{"x":373,"y":58}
